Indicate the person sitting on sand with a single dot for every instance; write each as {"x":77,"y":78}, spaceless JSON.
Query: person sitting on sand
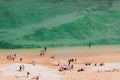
{"x":33,"y":61}
{"x":101,"y":64}
{"x":7,"y":57}
{"x":72,"y":60}
{"x":60,"y":69}
{"x":13,"y":58}
{"x":42,"y":53}
{"x":58,"y":63}
{"x":53,"y":57}
{"x":71,"y":66}
{"x":95,"y":64}
{"x":87,"y":64}
{"x":37,"y":78}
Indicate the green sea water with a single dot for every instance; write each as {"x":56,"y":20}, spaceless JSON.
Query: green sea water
{"x":54,"y":23}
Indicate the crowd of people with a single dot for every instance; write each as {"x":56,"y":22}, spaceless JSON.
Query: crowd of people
{"x":21,"y":68}
{"x":68,"y":66}
{"x":11,"y":57}
{"x":62,"y":67}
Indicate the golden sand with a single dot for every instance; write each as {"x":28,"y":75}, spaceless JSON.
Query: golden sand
{"x":82,"y":54}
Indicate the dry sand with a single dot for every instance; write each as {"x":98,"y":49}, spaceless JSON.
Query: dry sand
{"x":43,"y":72}
{"x":108,"y":55}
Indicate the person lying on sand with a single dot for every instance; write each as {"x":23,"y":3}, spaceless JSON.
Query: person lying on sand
{"x":53,"y":57}
{"x":35,"y":78}
{"x":81,"y":69}
{"x":65,"y":67}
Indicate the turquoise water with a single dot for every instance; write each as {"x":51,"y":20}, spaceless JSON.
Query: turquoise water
{"x":30,"y":23}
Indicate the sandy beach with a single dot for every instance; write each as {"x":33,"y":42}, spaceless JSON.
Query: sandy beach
{"x":48,"y":63}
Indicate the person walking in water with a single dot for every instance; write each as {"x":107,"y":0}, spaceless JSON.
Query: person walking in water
{"x":90,"y":45}
{"x":53,"y":29}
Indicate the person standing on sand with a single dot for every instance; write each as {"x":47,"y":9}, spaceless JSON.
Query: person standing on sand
{"x":28,"y":74}
{"x":20,"y":59}
{"x":75,"y":60}
{"x":14,"y":55}
{"x":20,"y":68}
{"x":58,"y":63}
{"x":69,"y":62}
{"x":23,"y":67}
{"x":45,"y":48}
